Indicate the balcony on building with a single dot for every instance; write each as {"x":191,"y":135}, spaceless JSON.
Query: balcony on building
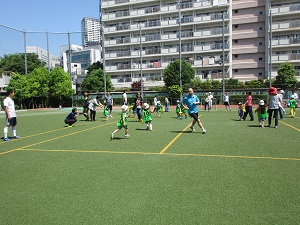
{"x":283,"y":9}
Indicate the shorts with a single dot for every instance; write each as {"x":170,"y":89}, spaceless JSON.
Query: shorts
{"x":126,"y":127}
{"x":226,"y":103}
{"x":12,"y":122}
{"x":194,"y":116}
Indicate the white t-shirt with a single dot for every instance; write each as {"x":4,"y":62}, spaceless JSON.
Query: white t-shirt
{"x":10,"y":104}
{"x":125,"y":97}
{"x":226,"y":98}
{"x":93,"y":104}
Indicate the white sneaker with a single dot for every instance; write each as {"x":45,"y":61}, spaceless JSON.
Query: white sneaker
{"x":203,"y":131}
{"x":127,"y":135}
{"x":111,"y":136}
{"x":192,"y":128}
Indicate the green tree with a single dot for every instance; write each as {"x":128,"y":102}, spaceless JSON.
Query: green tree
{"x":39,"y":83}
{"x":94,"y":81}
{"x":21,"y":87}
{"x":59,"y":84}
{"x":95,"y":66}
{"x":172,"y":75}
{"x":16,"y":62}
{"x":286,"y":76}
{"x":175,"y":90}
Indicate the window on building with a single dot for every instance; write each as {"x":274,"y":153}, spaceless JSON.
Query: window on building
{"x":236,"y":26}
{"x":260,"y":43}
{"x":236,"y":11}
{"x":260,"y":58}
{"x":260,"y":28}
{"x":236,"y":56}
{"x":236,"y":71}
{"x":236,"y":41}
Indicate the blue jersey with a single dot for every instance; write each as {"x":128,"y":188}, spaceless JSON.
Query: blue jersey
{"x":189,"y":101}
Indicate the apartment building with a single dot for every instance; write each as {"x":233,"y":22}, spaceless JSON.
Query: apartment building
{"x":242,"y":25}
{"x":90,"y":28}
{"x":43,"y":55}
{"x":285,"y":34}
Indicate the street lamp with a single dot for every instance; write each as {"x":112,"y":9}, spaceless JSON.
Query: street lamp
{"x":223,"y":54}
{"x":180,"y":63}
{"x":270,"y":45}
{"x":103,"y":47}
{"x":141,"y":60}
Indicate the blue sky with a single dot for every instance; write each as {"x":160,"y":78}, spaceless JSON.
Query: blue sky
{"x":41,"y":16}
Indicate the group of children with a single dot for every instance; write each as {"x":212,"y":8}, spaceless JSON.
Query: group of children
{"x":263,"y":113}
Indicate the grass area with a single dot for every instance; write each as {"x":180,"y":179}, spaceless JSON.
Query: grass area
{"x":236,"y":173}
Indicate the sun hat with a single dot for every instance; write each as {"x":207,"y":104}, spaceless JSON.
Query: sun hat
{"x":124,"y":108}
{"x":261,"y":102}
{"x":240,"y":103}
{"x":281,"y":91}
{"x":272,"y":91}
{"x":145,"y":106}
{"x":177,"y":101}
{"x":292,"y":96}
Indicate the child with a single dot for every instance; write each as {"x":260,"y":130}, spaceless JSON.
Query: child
{"x":262,"y":113}
{"x":71,"y":118}
{"x":178,"y":109}
{"x":183,"y":110}
{"x":241,"y":110}
{"x":159,"y":108}
{"x":106,"y":111}
{"x":122,"y":123}
{"x":292,"y":104}
{"x":147,"y":114}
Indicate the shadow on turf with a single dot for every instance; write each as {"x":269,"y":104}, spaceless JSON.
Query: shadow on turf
{"x":179,"y":131}
{"x":141,"y":129}
{"x":253,"y":125}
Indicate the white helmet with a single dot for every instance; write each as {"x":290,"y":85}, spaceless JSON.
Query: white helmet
{"x":145,"y":106}
{"x":124,"y":108}
{"x":158,"y":102}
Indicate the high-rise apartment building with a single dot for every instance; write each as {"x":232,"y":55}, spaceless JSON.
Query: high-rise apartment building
{"x":90,"y":28}
{"x":210,"y":29}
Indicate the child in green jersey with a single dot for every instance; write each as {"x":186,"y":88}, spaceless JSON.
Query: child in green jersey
{"x":106,"y":111}
{"x":292,"y":104}
{"x":147,"y":116}
{"x":159,"y":108}
{"x":183,"y":111}
{"x":122,"y":123}
{"x":262,"y":113}
{"x":178,"y":109}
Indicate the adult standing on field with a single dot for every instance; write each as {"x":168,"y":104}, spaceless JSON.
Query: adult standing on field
{"x":274,"y":101}
{"x":190,"y":103}
{"x":248,"y":107}
{"x":124,"y":98}
{"x":86,"y":103}
{"x":109,"y":102}
{"x":11,"y":117}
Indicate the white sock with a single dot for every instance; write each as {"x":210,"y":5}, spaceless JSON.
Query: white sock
{"x":14,"y":130}
{"x":5,"y":131}
{"x":150,"y":126}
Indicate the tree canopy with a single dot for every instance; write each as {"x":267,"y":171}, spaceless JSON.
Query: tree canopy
{"x":16,"y":62}
{"x":286,"y":76}
{"x":94,"y":81}
{"x":172,"y":73}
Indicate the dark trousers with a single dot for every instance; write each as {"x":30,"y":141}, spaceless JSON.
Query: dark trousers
{"x":139,"y":113}
{"x":248,"y":111}
{"x":93,"y":115}
{"x":70,"y":122}
{"x":270,"y":111}
{"x":206,"y":106}
{"x":280,"y":113}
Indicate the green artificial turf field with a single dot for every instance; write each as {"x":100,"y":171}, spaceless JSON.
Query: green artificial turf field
{"x":236,"y":173}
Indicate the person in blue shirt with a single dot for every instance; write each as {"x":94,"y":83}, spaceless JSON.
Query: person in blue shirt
{"x":72,"y":117}
{"x":190,"y":102}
